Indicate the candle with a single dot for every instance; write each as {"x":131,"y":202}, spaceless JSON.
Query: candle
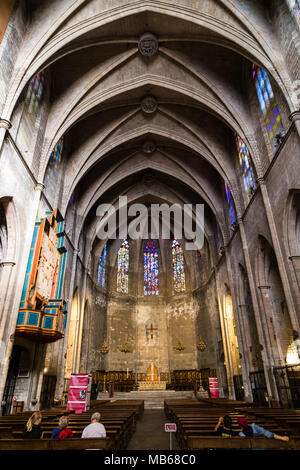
{"x":127,"y":372}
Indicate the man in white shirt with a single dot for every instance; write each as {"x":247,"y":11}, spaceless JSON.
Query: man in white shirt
{"x":95,"y":429}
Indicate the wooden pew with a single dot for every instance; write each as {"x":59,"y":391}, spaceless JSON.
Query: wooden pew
{"x":54,"y":444}
{"x":197,"y":442}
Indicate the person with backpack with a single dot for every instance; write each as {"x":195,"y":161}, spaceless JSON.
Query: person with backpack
{"x":62,"y":432}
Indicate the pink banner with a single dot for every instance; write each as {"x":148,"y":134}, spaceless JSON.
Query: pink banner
{"x":214,"y":387}
{"x":78,"y":392}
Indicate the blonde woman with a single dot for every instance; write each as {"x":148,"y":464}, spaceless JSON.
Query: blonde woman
{"x":33,"y":429}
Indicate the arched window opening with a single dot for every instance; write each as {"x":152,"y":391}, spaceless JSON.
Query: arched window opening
{"x":178,"y":267}
{"x":231,"y":209}
{"x":268,"y":106}
{"x":151,"y":286}
{"x":249,"y":183}
{"x":101,"y":268}
{"x":123,"y":266}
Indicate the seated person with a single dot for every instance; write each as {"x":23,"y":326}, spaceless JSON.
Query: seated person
{"x":95,"y":429}
{"x":253,"y":430}
{"x":223,"y":428}
{"x":62,"y":432}
{"x":32,"y":428}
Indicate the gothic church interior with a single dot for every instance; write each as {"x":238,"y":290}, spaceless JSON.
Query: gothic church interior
{"x":175,"y":102}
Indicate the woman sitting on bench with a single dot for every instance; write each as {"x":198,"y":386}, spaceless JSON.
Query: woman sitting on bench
{"x":253,"y":430}
{"x":33,"y":429}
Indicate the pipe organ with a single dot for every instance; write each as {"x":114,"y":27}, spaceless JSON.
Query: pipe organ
{"x":42,"y":313}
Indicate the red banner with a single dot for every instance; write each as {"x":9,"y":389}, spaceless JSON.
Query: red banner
{"x":214,"y":387}
{"x":78,"y":392}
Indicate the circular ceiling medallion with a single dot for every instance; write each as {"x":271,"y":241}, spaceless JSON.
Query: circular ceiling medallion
{"x":149,"y":104}
{"x":148,"y":44}
{"x":148,"y":178}
{"x":149,"y":146}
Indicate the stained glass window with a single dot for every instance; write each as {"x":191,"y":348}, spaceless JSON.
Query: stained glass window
{"x":101,"y":268}
{"x":178,"y":267}
{"x":31,"y":108}
{"x":123,"y":265}
{"x":151,"y":269}
{"x":268,"y":105}
{"x":35,"y":92}
{"x":230,"y":202}
{"x":294,"y":6}
{"x":246,"y":165}
{"x":53,"y":168}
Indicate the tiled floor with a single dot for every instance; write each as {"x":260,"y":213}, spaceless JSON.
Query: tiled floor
{"x":150,"y":433}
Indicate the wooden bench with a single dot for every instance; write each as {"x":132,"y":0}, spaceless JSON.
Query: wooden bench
{"x":197,"y":442}
{"x":54,"y":444}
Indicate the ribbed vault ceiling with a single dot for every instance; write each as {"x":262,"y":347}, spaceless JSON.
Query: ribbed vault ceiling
{"x":198,"y":79}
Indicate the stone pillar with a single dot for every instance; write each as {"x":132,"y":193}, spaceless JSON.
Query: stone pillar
{"x":273,"y":346}
{"x":62,"y":359}
{"x":226,"y":345}
{"x":266,"y":354}
{"x":246,"y":342}
{"x":4,"y":126}
{"x":279,"y":256}
{"x":239,"y":330}
{"x":10,"y":312}
{"x":6,"y":274}
{"x":295,"y":119}
{"x":80,"y":329}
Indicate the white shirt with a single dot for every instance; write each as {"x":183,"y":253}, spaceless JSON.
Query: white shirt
{"x":94,"y":430}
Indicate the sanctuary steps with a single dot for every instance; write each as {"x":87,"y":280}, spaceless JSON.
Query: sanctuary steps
{"x":153,"y":399}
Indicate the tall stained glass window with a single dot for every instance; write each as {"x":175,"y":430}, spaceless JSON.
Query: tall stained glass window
{"x":294,"y":6}
{"x":246,"y":165}
{"x":53,"y":168}
{"x":268,"y":105}
{"x":101,"y":268}
{"x":31,"y":108}
{"x":123,"y":265}
{"x":151,"y":269}
{"x":178,"y":267}
{"x":34,"y":93}
{"x":230,"y":202}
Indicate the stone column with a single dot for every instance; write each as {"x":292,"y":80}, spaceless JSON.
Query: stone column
{"x":279,"y":256}
{"x":241,"y":343}
{"x":274,"y":347}
{"x":80,"y":328}
{"x":4,"y":126}
{"x":266,"y":354}
{"x":6,"y":274}
{"x":246,"y":342}
{"x":295,"y":119}
{"x":226,"y":345}
{"x":62,"y":359}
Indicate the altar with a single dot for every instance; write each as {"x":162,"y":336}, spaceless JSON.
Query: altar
{"x":153,"y":381}
{"x":155,"y":385}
